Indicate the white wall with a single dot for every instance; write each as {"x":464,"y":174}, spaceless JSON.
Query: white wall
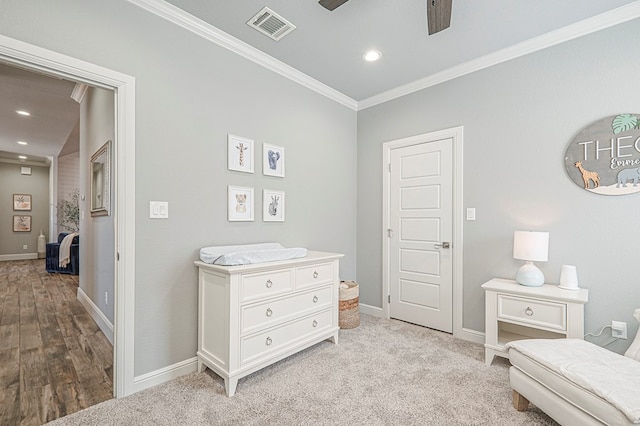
{"x":518,"y":118}
{"x":97,"y":126}
{"x":68,"y":180}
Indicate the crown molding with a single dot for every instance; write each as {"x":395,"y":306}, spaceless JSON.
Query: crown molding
{"x":207,"y":31}
{"x":587,"y":26}
{"x":590,"y":25}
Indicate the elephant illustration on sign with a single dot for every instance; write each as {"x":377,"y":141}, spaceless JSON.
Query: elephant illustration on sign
{"x":626,"y":175}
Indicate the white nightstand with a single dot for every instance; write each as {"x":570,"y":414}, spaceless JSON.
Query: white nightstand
{"x":515,"y":312}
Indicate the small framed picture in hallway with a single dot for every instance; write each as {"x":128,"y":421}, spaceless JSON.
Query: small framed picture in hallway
{"x":22,"y":224}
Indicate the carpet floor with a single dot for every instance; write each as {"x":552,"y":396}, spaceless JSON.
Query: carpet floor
{"x":384,"y":372}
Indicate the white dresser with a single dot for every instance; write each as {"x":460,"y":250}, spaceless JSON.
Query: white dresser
{"x":515,"y":312}
{"x":251,"y":316}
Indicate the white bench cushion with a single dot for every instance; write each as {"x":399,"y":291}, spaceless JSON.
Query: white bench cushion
{"x":610,"y":376}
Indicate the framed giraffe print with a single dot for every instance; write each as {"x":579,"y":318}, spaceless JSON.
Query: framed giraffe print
{"x":239,"y":154}
{"x":604,"y":157}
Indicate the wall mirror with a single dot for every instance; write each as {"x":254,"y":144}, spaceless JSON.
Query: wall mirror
{"x":100,"y":169}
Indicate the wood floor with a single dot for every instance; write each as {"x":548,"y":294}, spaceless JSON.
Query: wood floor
{"x":54,"y":360}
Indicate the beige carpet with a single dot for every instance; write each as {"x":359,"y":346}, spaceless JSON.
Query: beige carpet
{"x":381,"y":373}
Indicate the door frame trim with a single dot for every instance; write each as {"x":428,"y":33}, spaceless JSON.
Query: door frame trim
{"x":35,"y":58}
{"x":456,"y":134}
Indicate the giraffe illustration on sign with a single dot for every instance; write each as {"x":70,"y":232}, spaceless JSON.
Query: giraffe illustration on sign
{"x":588,"y":176}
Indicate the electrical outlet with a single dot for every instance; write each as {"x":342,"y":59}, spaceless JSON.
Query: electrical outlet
{"x":25,"y":247}
{"x":106,"y":297}
{"x":619,"y":329}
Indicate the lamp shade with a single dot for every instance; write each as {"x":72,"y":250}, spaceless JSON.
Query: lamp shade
{"x":532,"y":246}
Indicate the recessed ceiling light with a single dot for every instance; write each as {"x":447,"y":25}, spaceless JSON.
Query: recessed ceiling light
{"x":22,"y":157}
{"x":22,"y":112}
{"x":22,"y":143}
{"x":372,"y":55}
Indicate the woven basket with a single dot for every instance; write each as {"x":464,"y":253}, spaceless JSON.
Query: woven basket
{"x":348,"y":311}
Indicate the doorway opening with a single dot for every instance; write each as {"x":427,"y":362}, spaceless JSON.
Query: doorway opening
{"x":36,"y":59}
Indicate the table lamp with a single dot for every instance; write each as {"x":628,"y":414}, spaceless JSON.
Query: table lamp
{"x":530,"y":246}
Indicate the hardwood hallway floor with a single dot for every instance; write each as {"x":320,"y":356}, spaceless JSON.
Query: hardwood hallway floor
{"x":54,"y":360}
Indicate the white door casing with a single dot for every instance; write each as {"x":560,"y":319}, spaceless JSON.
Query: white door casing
{"x":38,"y":59}
{"x":415,"y":234}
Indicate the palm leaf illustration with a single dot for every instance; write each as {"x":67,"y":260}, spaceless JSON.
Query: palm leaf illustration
{"x":624,"y":122}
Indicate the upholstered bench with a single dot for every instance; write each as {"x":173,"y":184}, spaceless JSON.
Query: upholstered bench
{"x":576,"y":382}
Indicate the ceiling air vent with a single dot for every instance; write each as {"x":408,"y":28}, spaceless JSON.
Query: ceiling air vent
{"x":268,"y":22}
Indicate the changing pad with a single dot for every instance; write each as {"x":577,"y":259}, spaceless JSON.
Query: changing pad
{"x":611,"y":376}
{"x":249,"y":253}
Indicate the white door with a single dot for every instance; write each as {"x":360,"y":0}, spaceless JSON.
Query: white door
{"x":420,"y":234}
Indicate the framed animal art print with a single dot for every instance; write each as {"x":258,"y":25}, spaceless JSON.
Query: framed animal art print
{"x":239,"y":154}
{"x":272,"y":160}
{"x":272,"y":206}
{"x":239,"y":204}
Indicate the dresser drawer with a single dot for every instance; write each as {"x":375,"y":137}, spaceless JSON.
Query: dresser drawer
{"x":266,"y":284}
{"x":259,"y":316}
{"x":312,"y":275}
{"x":262,"y":344}
{"x":550,"y":315}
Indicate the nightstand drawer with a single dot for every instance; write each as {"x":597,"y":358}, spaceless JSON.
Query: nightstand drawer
{"x":534,"y":312}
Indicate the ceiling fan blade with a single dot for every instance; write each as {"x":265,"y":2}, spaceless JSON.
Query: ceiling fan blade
{"x":332,"y":4}
{"x":438,"y":15}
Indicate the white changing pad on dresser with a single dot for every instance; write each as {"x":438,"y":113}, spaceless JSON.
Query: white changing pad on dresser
{"x":249,"y":253}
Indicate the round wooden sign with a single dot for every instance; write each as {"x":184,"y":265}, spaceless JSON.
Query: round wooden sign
{"x":604,"y":157}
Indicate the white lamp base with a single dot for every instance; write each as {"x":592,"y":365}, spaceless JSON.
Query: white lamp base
{"x":529,"y":275}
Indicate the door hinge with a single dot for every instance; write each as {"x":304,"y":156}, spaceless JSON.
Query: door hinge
{"x":389,"y":298}
{"x":389,"y":232}
{"x":389,"y":167}
{"x":117,"y":256}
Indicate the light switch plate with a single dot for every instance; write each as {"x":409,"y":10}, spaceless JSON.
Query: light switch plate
{"x":471,"y":213}
{"x":158,"y":209}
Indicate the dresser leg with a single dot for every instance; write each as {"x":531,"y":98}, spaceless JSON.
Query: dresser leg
{"x":488,"y":356}
{"x":334,"y":338}
{"x":230,"y":386}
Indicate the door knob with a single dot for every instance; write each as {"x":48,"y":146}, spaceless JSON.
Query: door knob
{"x":444,"y":245}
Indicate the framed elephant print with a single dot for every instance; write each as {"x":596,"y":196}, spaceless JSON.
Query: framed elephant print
{"x":272,"y":160}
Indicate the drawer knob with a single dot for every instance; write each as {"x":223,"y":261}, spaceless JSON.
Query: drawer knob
{"x":268,"y":342}
{"x":315,"y":323}
{"x":269,"y":284}
{"x":315,"y":274}
{"x":528,"y":311}
{"x":315,"y":299}
{"x":269,"y":312}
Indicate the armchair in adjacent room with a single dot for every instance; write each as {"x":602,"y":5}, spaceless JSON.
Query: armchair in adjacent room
{"x":52,"y":256}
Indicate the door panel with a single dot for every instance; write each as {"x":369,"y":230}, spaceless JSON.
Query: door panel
{"x":420,"y":213}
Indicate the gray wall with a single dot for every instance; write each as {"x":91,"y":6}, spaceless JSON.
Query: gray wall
{"x":518,"y":118}
{"x":36,"y":184}
{"x":97,"y":126}
{"x":189,"y":95}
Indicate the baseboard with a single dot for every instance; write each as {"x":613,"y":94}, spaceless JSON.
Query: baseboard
{"x":165,"y":374}
{"x":97,"y":315}
{"x":471,"y":336}
{"x":21,"y":256}
{"x":371,"y":310}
